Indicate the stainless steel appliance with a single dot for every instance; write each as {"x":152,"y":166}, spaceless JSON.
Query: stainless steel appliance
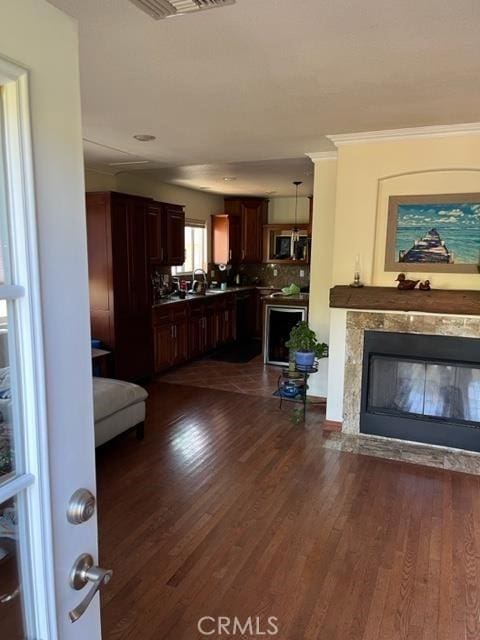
{"x":279,"y":321}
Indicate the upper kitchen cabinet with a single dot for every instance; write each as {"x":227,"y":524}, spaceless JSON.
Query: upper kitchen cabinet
{"x":165,"y":233}
{"x":226,"y":238}
{"x":155,"y":234}
{"x":174,"y":226}
{"x":237,"y":234}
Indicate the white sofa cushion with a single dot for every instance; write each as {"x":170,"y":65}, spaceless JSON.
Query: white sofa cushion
{"x":110,"y":396}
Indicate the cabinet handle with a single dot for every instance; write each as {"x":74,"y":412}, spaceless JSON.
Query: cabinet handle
{"x":226,"y":316}
{"x":243,"y":254}
{"x":230,"y":255}
{"x":172,"y":331}
{"x":161,"y":254}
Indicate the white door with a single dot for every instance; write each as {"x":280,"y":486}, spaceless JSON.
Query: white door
{"x":46,"y":416}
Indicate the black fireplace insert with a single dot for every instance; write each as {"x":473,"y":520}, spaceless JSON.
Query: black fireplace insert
{"x":421,"y":388}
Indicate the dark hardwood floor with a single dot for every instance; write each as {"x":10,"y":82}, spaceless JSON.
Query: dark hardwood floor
{"x":227,"y":508}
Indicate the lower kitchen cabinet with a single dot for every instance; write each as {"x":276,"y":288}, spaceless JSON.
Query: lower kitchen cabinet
{"x":190,"y":329}
{"x":170,"y":337}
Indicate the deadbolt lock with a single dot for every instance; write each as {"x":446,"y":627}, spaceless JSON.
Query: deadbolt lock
{"x":81,"y":506}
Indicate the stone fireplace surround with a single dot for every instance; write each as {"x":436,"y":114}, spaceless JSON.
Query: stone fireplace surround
{"x":345,"y":373}
{"x":360,"y":321}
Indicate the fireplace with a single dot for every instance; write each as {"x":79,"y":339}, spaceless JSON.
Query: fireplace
{"x":424,"y":388}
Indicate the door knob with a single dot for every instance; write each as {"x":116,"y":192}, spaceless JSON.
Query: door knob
{"x":83,"y":572}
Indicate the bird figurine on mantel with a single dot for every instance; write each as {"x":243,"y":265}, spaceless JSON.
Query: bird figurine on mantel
{"x":404,"y":284}
{"x":425,"y":286}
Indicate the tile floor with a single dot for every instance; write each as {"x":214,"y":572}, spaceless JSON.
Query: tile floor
{"x":252,"y":378}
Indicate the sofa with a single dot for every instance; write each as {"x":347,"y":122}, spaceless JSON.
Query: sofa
{"x":118,"y":406}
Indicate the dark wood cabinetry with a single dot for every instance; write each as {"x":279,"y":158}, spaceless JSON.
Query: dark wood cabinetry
{"x":155,"y":234}
{"x":118,"y":275}
{"x":237,"y":234}
{"x":170,"y":336}
{"x":189,"y":329}
{"x":226,"y":238}
{"x":174,"y":225}
{"x":126,"y":235}
{"x":165,"y":234}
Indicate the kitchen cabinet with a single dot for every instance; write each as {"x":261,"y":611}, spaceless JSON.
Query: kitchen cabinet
{"x":155,"y":234}
{"x":118,"y":279}
{"x":198,"y":329}
{"x":126,"y":235}
{"x":186,"y":330}
{"x":165,"y":234}
{"x":237,"y":234}
{"x":170,"y":336}
{"x":226,"y":238}
{"x":174,"y":225}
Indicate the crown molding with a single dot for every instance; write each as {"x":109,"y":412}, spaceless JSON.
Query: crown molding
{"x":438,"y":131}
{"x":319,"y":156}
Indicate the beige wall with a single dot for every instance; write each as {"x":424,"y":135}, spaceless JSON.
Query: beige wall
{"x":324,"y":194}
{"x":350,"y":218}
{"x":283,"y":210}
{"x":368,"y":173}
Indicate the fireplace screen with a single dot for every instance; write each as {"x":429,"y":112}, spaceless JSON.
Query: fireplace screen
{"x":427,"y":389}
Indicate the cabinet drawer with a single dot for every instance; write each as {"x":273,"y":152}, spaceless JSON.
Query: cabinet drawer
{"x":162,"y":315}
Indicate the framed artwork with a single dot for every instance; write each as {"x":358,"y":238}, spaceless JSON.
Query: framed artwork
{"x":434,"y":233}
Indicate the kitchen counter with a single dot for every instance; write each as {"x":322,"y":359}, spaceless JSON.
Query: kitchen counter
{"x":211,"y":293}
{"x":300,"y":299}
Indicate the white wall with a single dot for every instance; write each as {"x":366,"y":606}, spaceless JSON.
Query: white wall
{"x":42,"y":39}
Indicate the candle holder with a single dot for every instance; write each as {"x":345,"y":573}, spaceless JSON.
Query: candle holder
{"x":356,"y":281}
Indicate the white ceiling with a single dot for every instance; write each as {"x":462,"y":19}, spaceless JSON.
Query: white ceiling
{"x":267,"y":79}
{"x":260,"y":178}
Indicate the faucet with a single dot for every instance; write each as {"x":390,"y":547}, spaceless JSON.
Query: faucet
{"x":205,"y":279}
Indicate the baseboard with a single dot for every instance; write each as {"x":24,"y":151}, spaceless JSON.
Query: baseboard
{"x":332,"y":425}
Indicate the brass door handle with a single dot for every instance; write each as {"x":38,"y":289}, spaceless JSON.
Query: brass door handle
{"x":83,"y":572}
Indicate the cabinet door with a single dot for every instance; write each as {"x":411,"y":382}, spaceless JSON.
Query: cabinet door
{"x":163,"y":341}
{"x":155,"y":239}
{"x":252,"y":232}
{"x":180,"y":342}
{"x":175,"y":235}
{"x":137,"y":253}
{"x":213,"y":326}
{"x":234,"y":238}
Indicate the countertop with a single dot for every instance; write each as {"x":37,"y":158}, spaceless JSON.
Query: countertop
{"x":214,"y":293}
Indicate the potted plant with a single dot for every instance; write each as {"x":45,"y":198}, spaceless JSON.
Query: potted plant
{"x":303,"y":342}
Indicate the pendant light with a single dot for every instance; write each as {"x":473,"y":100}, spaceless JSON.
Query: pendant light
{"x":295,"y":230}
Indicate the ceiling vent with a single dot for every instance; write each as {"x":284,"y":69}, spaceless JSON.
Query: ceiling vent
{"x":159,"y":9}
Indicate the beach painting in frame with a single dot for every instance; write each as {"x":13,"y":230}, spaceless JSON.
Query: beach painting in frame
{"x":434,"y":233}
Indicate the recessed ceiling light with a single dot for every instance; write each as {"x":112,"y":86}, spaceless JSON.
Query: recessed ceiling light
{"x":229,"y":178}
{"x":204,"y":188}
{"x":270,"y":193}
{"x":143,"y":137}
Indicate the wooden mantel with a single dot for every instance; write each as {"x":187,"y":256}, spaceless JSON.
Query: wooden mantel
{"x":447,"y":301}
